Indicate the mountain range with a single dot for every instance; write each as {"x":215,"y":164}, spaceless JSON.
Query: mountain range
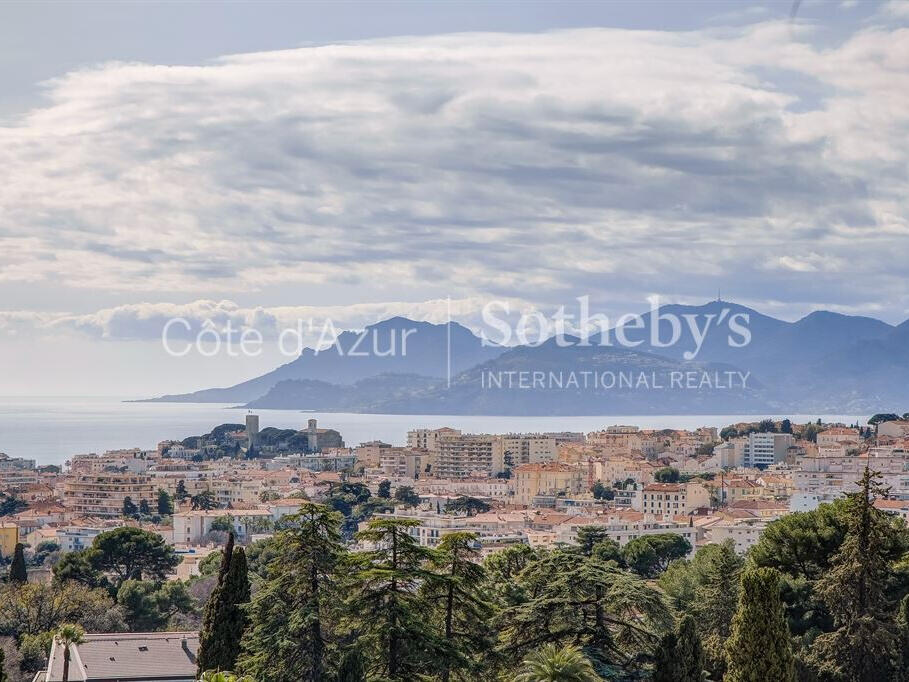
{"x":824,"y":363}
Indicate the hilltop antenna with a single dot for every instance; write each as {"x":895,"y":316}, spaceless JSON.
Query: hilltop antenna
{"x":718,"y":297}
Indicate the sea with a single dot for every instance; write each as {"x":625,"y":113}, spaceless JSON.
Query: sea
{"x":52,"y":429}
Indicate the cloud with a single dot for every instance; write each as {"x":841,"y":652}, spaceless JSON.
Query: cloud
{"x":539,"y":166}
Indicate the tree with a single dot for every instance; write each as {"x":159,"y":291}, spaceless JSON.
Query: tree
{"x":181,"y":493}
{"x":384,"y":489}
{"x":3,"y":677}
{"x":17,"y":571}
{"x":165,"y":503}
{"x":132,"y":554}
{"x":33,"y":608}
{"x":149,"y":606}
{"x":10,"y":504}
{"x":290,"y":615}
{"x":405,"y":494}
{"x":460,"y":607}
{"x":224,"y":524}
{"x":144,"y":508}
{"x":204,"y":500}
{"x":680,"y":657}
{"x":649,"y":555}
{"x":224,"y":620}
{"x":865,"y":638}
{"x":386,"y":608}
{"x":758,"y":647}
{"x":666,"y":475}
{"x":601,"y":492}
{"x":129,"y":509}
{"x":68,"y":635}
{"x":352,"y":667}
{"x":471,"y":505}
{"x":79,"y":567}
{"x":552,"y":663}
{"x":562,"y":598}
{"x":715,"y":601}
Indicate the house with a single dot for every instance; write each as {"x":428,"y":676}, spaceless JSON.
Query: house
{"x":127,"y":657}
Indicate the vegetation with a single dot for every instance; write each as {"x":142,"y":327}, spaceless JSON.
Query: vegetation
{"x":224,"y":620}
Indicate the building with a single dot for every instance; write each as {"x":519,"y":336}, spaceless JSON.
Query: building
{"x":546,"y":478}
{"x":529,"y":448}
{"x":252,"y":430}
{"x":7,"y":463}
{"x":192,"y":527}
{"x":466,"y":455}
{"x":9,"y":538}
{"x":127,"y":657}
{"x":103,"y":493}
{"x":320,"y":439}
{"x":765,"y":449}
{"x":664,"y":500}
{"x":896,"y":429}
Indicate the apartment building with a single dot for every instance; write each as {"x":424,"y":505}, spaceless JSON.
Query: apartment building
{"x":529,"y":448}
{"x":192,"y":527}
{"x":765,"y":449}
{"x":546,"y":478}
{"x":466,"y":455}
{"x":102,"y":493}
{"x":402,"y":462}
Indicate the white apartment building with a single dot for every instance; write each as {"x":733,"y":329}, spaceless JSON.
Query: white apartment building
{"x":765,"y":449}
{"x":192,"y":527}
{"x":102,"y":493}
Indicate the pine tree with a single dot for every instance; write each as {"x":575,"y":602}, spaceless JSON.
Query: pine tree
{"x":758,"y":648}
{"x":224,"y":621}
{"x":460,"y":605}
{"x":165,"y":503}
{"x":17,"y":570}
{"x":293,"y":615}
{"x":667,"y":667}
{"x":866,"y":639}
{"x":3,"y":677}
{"x":902,"y":622}
{"x":386,"y":609}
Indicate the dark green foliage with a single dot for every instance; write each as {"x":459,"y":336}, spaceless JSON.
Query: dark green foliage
{"x":10,"y":504}
{"x":181,"y":490}
{"x":405,"y":495}
{"x":666,"y":475}
{"x":680,"y":657}
{"x":470,"y":505}
{"x":144,"y":508}
{"x":386,"y":610}
{"x":17,"y":570}
{"x":294,"y":614}
{"x":165,"y":503}
{"x":758,"y":647}
{"x":602,"y":492}
{"x":384,"y":490}
{"x":864,"y":646}
{"x":204,"y":501}
{"x":132,"y":554}
{"x":649,"y":555}
{"x":352,"y":667}
{"x":224,"y":619}
{"x":148,"y":606}
{"x":561,"y":598}
{"x":459,"y":606}
{"x":3,"y":677}
{"x":129,"y":507}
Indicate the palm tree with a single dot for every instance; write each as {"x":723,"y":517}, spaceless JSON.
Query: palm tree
{"x":68,"y":635}
{"x":552,"y":663}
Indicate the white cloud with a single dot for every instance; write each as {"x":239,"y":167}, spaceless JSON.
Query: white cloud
{"x":534,"y":166}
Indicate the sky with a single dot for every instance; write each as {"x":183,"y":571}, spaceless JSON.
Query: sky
{"x":261,"y":162}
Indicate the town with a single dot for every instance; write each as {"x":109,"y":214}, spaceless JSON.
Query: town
{"x":671,"y":492}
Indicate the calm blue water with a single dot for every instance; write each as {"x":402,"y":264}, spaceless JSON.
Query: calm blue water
{"x":51,"y":430}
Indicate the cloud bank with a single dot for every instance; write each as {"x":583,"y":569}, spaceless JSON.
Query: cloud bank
{"x":532,"y":166}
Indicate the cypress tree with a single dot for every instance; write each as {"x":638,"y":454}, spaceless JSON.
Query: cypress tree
{"x":715,"y":603}
{"x":902,"y":622}
{"x":680,"y":657}
{"x":224,"y":621}
{"x":17,"y":570}
{"x":689,"y":652}
{"x":758,"y":648}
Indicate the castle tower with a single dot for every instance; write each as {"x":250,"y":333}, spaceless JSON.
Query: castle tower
{"x":252,"y":430}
